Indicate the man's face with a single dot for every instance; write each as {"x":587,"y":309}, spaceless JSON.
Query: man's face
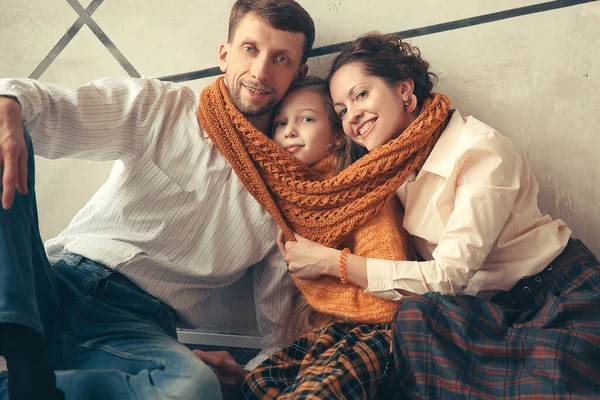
{"x":259,"y":64}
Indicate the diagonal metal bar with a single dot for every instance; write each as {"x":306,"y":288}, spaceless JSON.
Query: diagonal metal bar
{"x":110,"y":46}
{"x":64,"y":41}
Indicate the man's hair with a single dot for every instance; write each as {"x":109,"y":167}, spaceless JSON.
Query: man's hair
{"x":284,"y":15}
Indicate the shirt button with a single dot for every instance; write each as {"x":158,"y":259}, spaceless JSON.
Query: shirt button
{"x":381,"y":285}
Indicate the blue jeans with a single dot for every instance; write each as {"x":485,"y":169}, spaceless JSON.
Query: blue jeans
{"x":105,"y":337}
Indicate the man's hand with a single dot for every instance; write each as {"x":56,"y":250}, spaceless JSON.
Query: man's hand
{"x":307,"y":259}
{"x":230,"y":373}
{"x":13,"y":151}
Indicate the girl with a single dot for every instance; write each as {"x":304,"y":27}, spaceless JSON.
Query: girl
{"x":338,"y":322}
{"x":504,"y":303}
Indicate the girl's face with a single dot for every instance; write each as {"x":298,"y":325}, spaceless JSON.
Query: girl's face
{"x":302,"y":127}
{"x":372,"y":112}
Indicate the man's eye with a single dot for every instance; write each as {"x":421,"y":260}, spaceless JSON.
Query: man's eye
{"x":282,"y":59}
{"x":248,"y":48}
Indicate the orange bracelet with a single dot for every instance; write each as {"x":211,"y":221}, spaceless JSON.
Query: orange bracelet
{"x":343,"y":256}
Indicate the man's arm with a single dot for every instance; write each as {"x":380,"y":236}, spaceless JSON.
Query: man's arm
{"x":103,"y":120}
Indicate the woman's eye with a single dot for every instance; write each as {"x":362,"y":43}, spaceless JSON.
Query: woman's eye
{"x":342,"y":112}
{"x":361,"y":94}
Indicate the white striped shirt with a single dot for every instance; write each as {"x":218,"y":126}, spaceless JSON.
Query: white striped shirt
{"x":173,"y":216}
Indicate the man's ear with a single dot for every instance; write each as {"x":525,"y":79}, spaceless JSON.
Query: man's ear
{"x":302,"y":71}
{"x":223,"y":57}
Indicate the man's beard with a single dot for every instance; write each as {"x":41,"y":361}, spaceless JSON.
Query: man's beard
{"x":249,"y":110}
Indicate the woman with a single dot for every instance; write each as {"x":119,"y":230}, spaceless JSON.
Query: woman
{"x":504,"y":303}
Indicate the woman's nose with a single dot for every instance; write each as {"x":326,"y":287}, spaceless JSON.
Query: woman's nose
{"x":355,"y":115}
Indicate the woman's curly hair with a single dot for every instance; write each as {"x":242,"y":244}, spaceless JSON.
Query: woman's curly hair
{"x":388,"y":57}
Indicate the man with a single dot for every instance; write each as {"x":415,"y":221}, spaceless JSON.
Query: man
{"x":173,"y":219}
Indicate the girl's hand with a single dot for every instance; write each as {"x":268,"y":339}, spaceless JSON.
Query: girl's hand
{"x":307,"y":259}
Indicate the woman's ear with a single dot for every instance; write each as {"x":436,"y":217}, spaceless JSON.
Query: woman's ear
{"x":405,"y":91}
{"x":406,"y":88}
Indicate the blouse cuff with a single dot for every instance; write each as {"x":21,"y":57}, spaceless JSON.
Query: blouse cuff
{"x":380,"y":280}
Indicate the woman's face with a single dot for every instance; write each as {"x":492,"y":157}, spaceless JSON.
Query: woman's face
{"x":372,"y":112}
{"x":301,"y":126}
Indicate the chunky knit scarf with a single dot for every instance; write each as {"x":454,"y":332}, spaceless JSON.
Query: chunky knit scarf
{"x":295,"y":195}
{"x":322,"y":209}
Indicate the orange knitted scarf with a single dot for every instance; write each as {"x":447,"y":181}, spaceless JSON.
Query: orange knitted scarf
{"x":298,"y":198}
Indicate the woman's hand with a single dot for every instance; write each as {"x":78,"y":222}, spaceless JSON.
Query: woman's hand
{"x":307,"y":259}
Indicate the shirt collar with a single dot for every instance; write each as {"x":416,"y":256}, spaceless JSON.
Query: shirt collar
{"x":443,"y":156}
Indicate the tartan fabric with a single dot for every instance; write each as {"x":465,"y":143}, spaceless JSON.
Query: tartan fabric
{"x":459,"y":347}
{"x":339,"y":361}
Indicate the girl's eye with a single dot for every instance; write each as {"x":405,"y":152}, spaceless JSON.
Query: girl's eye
{"x":280,"y":124}
{"x":307,"y":119}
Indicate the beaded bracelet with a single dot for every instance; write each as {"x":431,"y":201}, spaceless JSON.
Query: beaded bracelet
{"x":343,"y":255}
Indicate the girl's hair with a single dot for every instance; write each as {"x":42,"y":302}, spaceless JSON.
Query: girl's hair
{"x":344,"y":152}
{"x":298,"y":317}
{"x":388,"y":57}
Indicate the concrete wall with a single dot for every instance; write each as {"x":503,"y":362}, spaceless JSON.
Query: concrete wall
{"x":534,"y":75}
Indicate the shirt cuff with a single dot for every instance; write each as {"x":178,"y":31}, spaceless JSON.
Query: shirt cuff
{"x":262,"y":356}
{"x":380,"y":280}
{"x":7,"y":91}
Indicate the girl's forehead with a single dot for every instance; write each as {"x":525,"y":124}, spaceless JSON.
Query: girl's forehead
{"x":303,"y":98}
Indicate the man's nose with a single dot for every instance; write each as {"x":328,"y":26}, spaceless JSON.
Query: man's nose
{"x":261,"y":68}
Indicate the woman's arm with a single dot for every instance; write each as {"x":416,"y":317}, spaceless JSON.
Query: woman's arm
{"x":487,"y":185}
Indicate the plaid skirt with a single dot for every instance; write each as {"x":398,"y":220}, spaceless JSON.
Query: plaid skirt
{"x":340,"y":361}
{"x":459,"y":347}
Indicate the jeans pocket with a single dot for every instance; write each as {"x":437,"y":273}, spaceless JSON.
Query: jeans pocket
{"x":69,"y":259}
